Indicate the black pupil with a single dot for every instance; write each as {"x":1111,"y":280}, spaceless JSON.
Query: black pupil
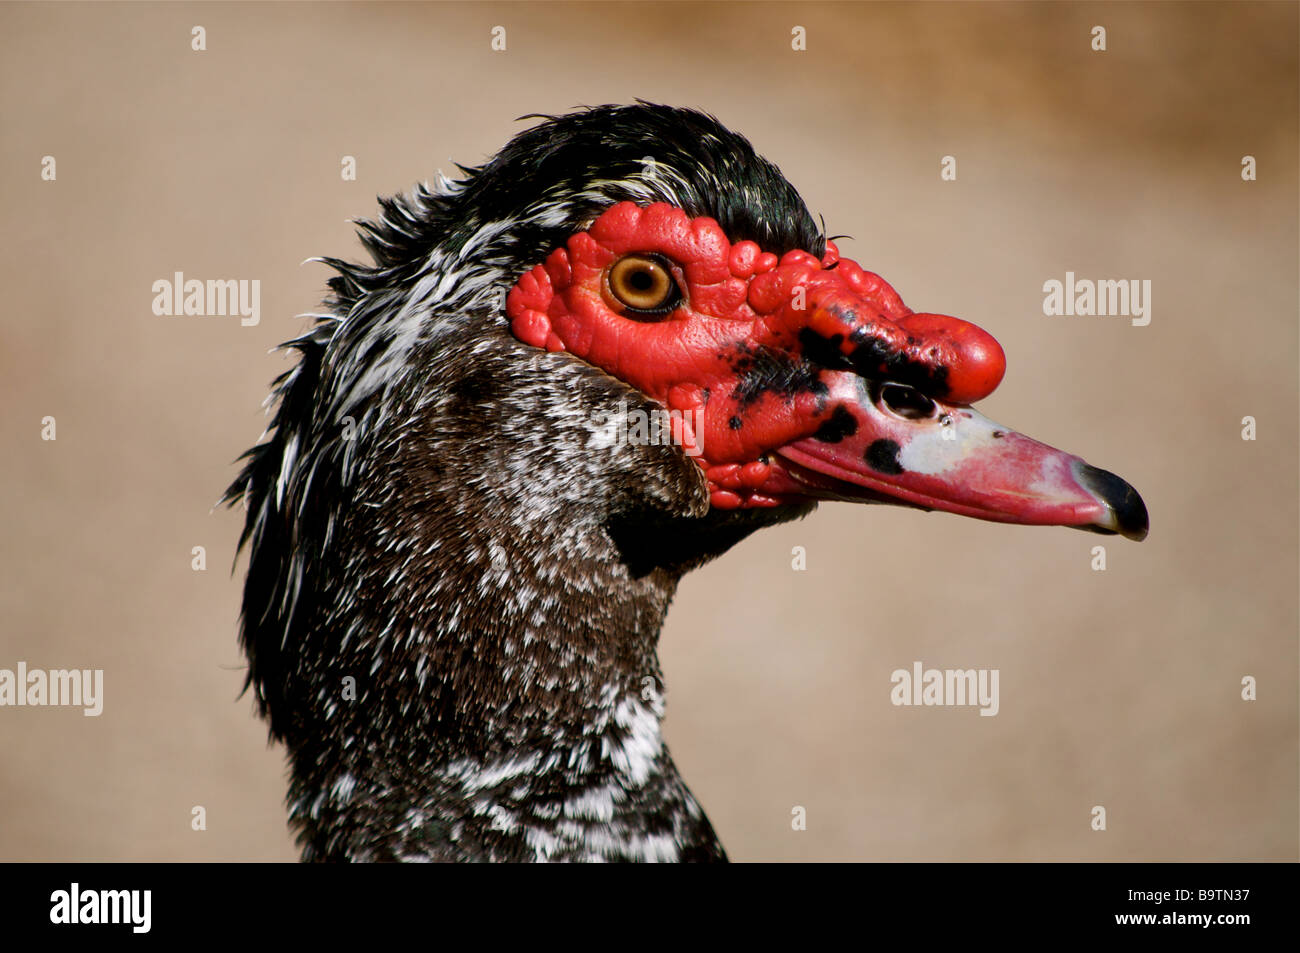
{"x":642,"y":280}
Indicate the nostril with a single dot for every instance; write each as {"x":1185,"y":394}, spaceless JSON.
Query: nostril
{"x":906,"y":401}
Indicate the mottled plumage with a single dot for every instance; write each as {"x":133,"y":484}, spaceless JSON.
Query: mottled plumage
{"x":459,"y":564}
{"x":478,"y":557}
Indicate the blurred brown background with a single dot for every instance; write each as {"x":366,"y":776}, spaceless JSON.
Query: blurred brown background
{"x":1118,"y":688}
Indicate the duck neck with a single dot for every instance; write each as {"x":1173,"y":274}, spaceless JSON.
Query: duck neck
{"x":519,"y":722}
{"x":452,"y":618}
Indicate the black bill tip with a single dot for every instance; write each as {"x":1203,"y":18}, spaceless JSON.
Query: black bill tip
{"x":1128,"y":512}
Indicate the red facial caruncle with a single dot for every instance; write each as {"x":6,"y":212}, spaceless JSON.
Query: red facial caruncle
{"x":805,"y":377}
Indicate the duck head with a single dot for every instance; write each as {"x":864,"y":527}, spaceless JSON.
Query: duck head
{"x":802,"y":376}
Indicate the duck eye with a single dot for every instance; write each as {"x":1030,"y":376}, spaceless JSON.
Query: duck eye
{"x":644,"y":285}
{"x":906,"y":401}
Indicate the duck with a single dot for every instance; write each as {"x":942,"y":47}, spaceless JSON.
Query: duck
{"x":564,"y":379}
